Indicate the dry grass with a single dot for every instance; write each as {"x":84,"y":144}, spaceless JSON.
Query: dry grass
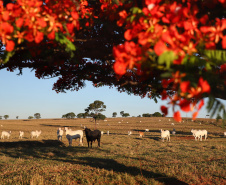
{"x":121,"y":159}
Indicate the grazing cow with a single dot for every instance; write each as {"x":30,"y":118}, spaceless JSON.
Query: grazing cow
{"x":141,"y":134}
{"x":199,"y":133}
{"x":92,"y":136}
{"x":35,"y":133}
{"x":5,"y":134}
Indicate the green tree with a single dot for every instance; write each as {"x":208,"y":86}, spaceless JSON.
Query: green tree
{"x":30,"y":117}
{"x":17,"y":117}
{"x":0,"y":117}
{"x":70,"y":115}
{"x":37,"y":115}
{"x":126,"y":115}
{"x":101,"y":117}
{"x":6,"y":116}
{"x":122,"y":113}
{"x":114,"y":114}
{"x":94,"y":109}
{"x":146,"y":115}
{"x":81,"y":115}
{"x":157,"y":114}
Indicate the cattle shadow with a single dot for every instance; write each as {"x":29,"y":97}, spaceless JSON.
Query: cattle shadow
{"x":29,"y":144}
{"x":57,"y":151}
{"x":62,"y":126}
{"x":156,"y":138}
{"x":142,"y":130}
{"x":111,"y":164}
{"x":44,"y":149}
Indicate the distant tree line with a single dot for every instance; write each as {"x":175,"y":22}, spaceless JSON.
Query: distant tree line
{"x":92,"y":111}
{"x":5,"y":116}
{"x":123,"y":114}
{"x":156,"y":114}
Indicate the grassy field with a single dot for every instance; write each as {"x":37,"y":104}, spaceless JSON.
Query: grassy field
{"x":121,"y":159}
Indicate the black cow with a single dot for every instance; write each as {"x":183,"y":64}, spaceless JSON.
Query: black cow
{"x":92,"y":136}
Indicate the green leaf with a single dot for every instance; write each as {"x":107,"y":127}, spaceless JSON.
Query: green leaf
{"x":7,"y":56}
{"x":166,"y":58}
{"x":215,"y":106}
{"x":64,"y":41}
{"x":115,"y":2}
{"x":166,"y":75}
{"x":136,"y":10}
{"x":217,"y":56}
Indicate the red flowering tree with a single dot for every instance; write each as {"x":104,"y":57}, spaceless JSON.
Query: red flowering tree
{"x":173,"y":50}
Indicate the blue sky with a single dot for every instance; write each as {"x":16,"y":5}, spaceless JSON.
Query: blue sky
{"x":26,"y":95}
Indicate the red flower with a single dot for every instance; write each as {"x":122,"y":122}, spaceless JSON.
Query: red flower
{"x":128,"y":35}
{"x":177,"y":116}
{"x":223,"y":68}
{"x":51,"y":35}
{"x":224,"y":42}
{"x":160,"y":47}
{"x":201,"y":104}
{"x":164,"y":109}
{"x":165,"y":83}
{"x":120,"y":68}
{"x":164,"y":94}
{"x":19,"y":22}
{"x":39,"y":37}
{"x":10,"y":45}
{"x":195,"y":114}
{"x":185,"y":105}
{"x":204,"y":85}
{"x":185,"y":86}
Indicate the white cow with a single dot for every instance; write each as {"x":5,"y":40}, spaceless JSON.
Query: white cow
{"x":21,"y":134}
{"x":70,"y":134}
{"x":5,"y":134}
{"x":35,"y":133}
{"x":165,"y":134}
{"x":60,"y":133}
{"x":198,"y":134}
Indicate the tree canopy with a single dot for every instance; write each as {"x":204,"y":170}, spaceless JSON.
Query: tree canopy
{"x":94,"y":110}
{"x":161,"y":49}
{"x":37,"y":115}
{"x":70,"y":115}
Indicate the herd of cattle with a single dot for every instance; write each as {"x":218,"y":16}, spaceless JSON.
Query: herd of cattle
{"x":91,"y":136}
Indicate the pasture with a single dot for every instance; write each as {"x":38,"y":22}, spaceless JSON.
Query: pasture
{"x":121,"y":159}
